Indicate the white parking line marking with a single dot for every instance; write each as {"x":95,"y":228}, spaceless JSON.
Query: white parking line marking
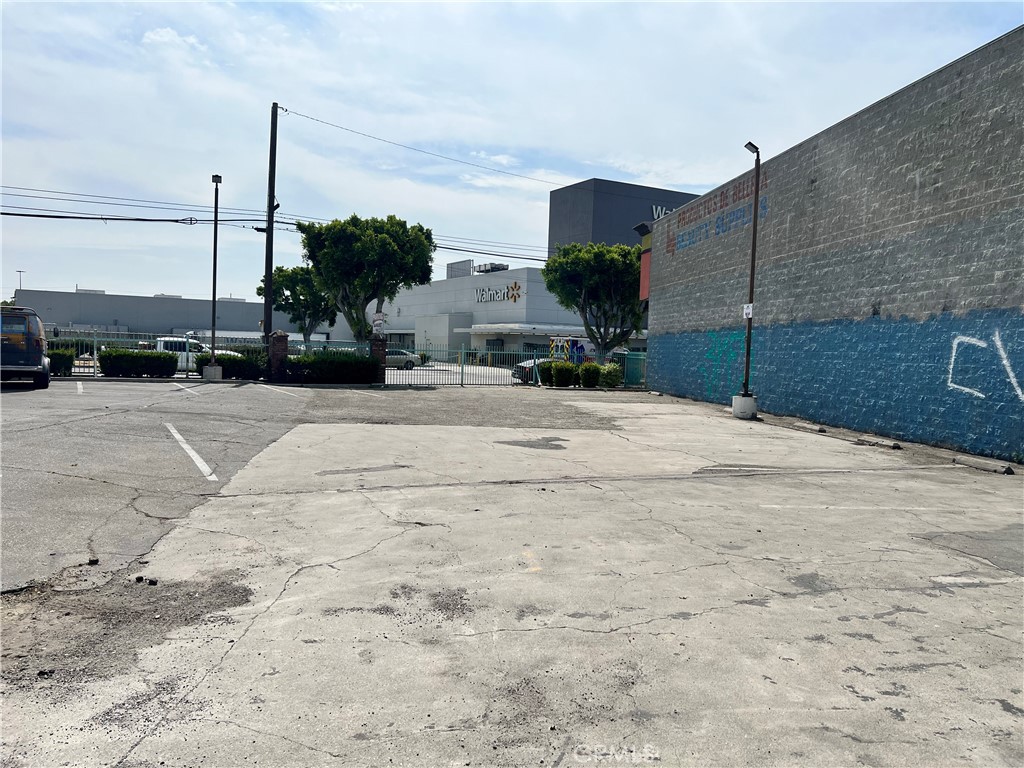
{"x":278,"y":389}
{"x":203,"y":466}
{"x":187,"y":389}
{"x":81,"y":389}
{"x":360,"y":392}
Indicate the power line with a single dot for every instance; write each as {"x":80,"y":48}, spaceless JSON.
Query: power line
{"x":168,"y":205}
{"x":417,"y":149}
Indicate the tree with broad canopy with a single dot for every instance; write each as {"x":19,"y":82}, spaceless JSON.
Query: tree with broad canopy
{"x":359,"y":261}
{"x":299,"y":293}
{"x":602,"y":284}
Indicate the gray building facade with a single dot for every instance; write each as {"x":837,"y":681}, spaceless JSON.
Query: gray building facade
{"x":890,"y":269}
{"x":86,"y":310}
{"x":601,"y":211}
{"x":509,"y":310}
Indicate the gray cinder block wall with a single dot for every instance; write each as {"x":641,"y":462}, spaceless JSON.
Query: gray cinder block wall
{"x":890,"y":278}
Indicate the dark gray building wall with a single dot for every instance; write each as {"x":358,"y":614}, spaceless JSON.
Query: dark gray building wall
{"x":890,"y":279}
{"x":154,"y":314}
{"x":601,"y":211}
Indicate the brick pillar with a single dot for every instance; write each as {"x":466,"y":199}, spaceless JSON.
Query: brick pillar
{"x":379,"y":350}
{"x":278,"y":356}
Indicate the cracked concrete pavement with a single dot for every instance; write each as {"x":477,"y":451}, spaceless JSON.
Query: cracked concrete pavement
{"x":675,"y":588}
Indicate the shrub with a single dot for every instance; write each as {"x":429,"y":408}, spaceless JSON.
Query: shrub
{"x":333,"y":368}
{"x":590,"y":375}
{"x":545,"y":374}
{"x":61,"y":361}
{"x":252,"y":365}
{"x":71,"y":344}
{"x":562,"y":372}
{"x":132,"y":362}
{"x":611,"y":376}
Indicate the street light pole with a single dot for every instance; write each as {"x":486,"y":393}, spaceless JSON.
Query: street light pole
{"x":20,"y":273}
{"x":744,"y":406}
{"x":213,"y":319}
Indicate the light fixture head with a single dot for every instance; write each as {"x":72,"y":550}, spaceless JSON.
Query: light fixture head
{"x":216,"y":178}
{"x":752,"y":147}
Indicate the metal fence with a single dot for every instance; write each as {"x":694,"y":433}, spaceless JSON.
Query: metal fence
{"x":430,"y":366}
{"x":87,"y":345}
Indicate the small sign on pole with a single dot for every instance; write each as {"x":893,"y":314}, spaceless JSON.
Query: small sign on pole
{"x":748,"y":311}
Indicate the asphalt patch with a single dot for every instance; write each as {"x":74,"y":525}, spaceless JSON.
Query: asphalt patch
{"x":55,"y":638}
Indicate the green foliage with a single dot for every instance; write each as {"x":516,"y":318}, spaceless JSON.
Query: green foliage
{"x":72,"y":344}
{"x":133,"y":362}
{"x":251,"y":366}
{"x":602,"y":284}
{"x":611,"y":376}
{"x":545,"y":373}
{"x":307,"y":302}
{"x":61,"y":361}
{"x":334,"y":368}
{"x":359,"y":261}
{"x":562,"y":373}
{"x":590,"y":375}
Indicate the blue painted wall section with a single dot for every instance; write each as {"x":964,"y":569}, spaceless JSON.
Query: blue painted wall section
{"x":952,"y":380}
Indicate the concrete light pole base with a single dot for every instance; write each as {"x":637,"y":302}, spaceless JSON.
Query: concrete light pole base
{"x":213,"y":372}
{"x":744,"y":406}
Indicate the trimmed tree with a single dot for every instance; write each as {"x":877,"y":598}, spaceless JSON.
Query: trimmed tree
{"x":361,"y":261}
{"x":299,"y":293}
{"x":601,"y":283}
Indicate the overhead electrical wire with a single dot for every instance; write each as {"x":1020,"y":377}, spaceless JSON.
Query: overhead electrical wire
{"x":75,"y":197}
{"x":417,"y":149}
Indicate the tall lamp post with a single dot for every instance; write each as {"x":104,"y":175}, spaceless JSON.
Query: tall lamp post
{"x":744,"y":405}
{"x":213,"y":371}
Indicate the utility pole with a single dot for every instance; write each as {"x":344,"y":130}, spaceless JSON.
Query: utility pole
{"x":268,"y":272}
{"x":213,"y":318}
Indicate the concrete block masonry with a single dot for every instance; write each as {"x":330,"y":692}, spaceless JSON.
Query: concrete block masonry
{"x":890,"y":277}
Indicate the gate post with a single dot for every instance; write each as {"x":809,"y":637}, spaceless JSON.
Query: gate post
{"x":95,"y":355}
{"x":379,"y":351}
{"x":462,"y":366}
{"x":278,"y":355}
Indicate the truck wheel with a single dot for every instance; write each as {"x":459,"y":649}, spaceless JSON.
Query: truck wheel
{"x":41,"y":380}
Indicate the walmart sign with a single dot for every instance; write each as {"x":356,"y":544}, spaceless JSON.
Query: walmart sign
{"x":508,"y":293}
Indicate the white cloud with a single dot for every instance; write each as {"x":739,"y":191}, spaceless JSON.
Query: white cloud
{"x":167,"y":36}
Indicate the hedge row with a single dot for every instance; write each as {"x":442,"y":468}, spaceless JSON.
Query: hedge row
{"x":333,"y":368}
{"x":250,"y":366}
{"x":61,"y":361}
{"x":561,"y":373}
{"x":124,"y":363}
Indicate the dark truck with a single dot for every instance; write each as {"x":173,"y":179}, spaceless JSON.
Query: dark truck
{"x":23,"y":347}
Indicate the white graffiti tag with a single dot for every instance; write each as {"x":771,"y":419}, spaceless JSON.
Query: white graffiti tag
{"x":1000,"y":349}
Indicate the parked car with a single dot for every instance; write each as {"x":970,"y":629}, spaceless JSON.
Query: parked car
{"x":402,"y":358}
{"x":186,"y":355}
{"x":524,"y":370}
{"x":23,"y":347}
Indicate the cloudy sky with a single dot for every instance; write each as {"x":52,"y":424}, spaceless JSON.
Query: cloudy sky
{"x":127,"y":109}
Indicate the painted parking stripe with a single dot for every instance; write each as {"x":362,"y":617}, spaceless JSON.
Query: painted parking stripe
{"x":187,"y":389}
{"x":360,"y":392}
{"x":278,"y":389}
{"x":81,"y":389}
{"x":203,"y":466}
